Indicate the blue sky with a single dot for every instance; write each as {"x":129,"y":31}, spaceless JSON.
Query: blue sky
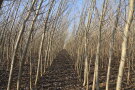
{"x":77,"y":9}
{"x":75,"y":13}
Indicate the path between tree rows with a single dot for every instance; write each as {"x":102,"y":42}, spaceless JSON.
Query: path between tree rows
{"x":61,"y":75}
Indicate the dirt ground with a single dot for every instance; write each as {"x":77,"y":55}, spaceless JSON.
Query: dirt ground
{"x":61,"y":75}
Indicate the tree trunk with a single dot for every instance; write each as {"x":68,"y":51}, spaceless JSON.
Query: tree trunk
{"x":111,"y":51}
{"x":124,"y":44}
{"x":39,"y":58}
{"x":25,"y":49}
{"x":86,"y":61}
{"x":42,"y":39}
{"x":96,"y":70}
{"x":17,"y":44}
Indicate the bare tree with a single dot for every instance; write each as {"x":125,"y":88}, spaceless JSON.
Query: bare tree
{"x":111,"y":51}
{"x":42,"y":40}
{"x":124,"y":44}
{"x":25,"y":49}
{"x":96,"y":76}
{"x":33,"y":32}
{"x":17,"y":44}
{"x":86,"y":68}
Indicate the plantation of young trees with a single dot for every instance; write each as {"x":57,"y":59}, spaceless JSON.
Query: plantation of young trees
{"x":67,"y":45}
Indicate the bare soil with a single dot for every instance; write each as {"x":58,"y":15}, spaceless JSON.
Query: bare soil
{"x":61,"y":75}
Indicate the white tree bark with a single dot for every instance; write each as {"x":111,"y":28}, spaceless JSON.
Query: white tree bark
{"x":86,"y":68}
{"x":17,"y":44}
{"x":124,"y":44}
{"x":96,"y":70}
{"x":112,"y":46}
{"x":25,"y":49}
{"x":42,"y":40}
